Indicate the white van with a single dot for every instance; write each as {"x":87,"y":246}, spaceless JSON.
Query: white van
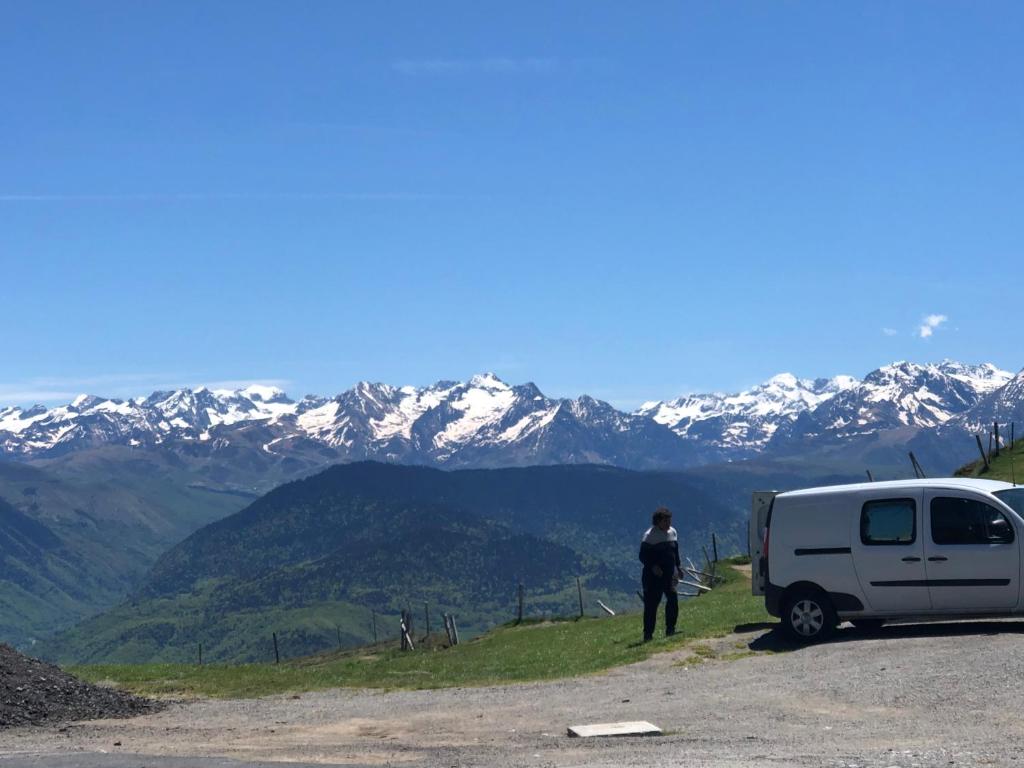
{"x":872,"y":552}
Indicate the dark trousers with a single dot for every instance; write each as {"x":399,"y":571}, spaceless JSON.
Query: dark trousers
{"x":653,"y":590}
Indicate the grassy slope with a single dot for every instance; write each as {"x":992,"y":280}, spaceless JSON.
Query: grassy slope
{"x":1008,"y":466}
{"x":507,"y":655}
{"x":113,"y":519}
{"x":329,"y":543}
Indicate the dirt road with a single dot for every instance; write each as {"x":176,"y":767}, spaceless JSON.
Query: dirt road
{"x":936,"y":695}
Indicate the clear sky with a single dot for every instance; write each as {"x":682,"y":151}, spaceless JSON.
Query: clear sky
{"x":628,"y":200}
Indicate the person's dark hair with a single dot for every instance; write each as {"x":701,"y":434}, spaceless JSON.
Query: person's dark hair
{"x":660,"y":514}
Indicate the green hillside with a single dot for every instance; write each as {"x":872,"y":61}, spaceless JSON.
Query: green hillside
{"x":532,"y":651}
{"x":76,"y":536}
{"x":315,"y":557}
{"x":1008,"y":465}
{"x":115,"y":510}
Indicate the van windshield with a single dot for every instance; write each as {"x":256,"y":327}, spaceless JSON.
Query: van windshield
{"x":1013,"y":498}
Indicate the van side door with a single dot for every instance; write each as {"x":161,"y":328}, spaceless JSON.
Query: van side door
{"x":972,"y":553}
{"x":888,"y":553}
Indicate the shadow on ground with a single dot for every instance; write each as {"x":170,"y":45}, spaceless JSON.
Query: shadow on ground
{"x":776,"y":642}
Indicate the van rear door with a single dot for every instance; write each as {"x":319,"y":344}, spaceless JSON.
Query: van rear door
{"x":760,"y":504}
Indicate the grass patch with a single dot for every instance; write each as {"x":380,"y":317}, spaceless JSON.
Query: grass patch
{"x":1008,"y":466}
{"x":704,"y":651}
{"x":509,"y":654}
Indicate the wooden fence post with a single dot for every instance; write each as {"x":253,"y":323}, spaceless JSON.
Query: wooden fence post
{"x":519,"y":612}
{"x":373,"y":622}
{"x":406,"y":625}
{"x":995,"y":428}
{"x":714,"y":546}
{"x":579,"y":590}
{"x":426,"y":620}
{"x":918,"y":469}
{"x":981,"y":450}
{"x":277,"y":656}
{"x":200,"y":654}
{"x":337,"y":627}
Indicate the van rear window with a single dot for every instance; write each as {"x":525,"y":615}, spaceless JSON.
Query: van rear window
{"x":1014,"y":498}
{"x":888,"y":521}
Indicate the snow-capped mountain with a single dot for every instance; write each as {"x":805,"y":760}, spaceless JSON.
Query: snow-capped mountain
{"x":178,"y":415}
{"x":482,"y":422}
{"x":485,"y":422}
{"x":899,"y":395}
{"x":745,"y":421}
{"x":1004,"y":405}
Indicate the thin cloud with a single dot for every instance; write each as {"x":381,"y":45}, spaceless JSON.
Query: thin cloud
{"x":61,"y":390}
{"x":160,"y":197}
{"x":494,"y":65}
{"x":234,"y":384}
{"x":321,"y":127}
{"x":930,"y":324}
{"x":890,"y":332}
{"x":10,"y":397}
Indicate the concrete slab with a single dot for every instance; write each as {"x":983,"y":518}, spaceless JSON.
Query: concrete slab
{"x":634,"y":728}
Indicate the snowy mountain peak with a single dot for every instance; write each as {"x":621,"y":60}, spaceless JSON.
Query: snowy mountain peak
{"x":836,"y":384}
{"x":901,"y":394}
{"x":785,"y":380}
{"x":746,"y":420}
{"x":488,"y":381}
{"x":84,"y":401}
{"x":264,"y":393}
{"x":487,"y":422}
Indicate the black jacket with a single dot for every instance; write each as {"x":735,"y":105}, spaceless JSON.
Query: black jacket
{"x":659,"y":548}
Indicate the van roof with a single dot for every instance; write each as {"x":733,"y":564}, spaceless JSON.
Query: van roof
{"x":967,"y":483}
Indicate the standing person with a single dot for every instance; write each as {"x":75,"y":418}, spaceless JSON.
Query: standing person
{"x":659,"y":552}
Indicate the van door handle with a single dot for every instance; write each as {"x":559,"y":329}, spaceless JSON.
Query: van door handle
{"x":937,"y":559}
{"x":911,"y":559}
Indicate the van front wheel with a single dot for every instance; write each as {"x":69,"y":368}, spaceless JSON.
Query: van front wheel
{"x":808,"y":616}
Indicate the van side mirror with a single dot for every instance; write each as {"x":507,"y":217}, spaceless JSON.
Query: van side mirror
{"x":1000,"y":531}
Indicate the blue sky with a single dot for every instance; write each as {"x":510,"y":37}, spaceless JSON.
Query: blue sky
{"x":629,"y":203}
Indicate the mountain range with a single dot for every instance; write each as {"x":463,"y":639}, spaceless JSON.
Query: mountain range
{"x":485,"y":422}
{"x":92,"y":493}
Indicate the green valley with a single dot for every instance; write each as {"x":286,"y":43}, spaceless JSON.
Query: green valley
{"x":313,"y":558}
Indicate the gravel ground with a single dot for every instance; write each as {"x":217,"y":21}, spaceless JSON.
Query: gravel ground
{"x":926,"y":695}
{"x":34,"y":692}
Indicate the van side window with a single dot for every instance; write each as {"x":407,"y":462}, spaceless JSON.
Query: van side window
{"x":968,"y":521}
{"x":888,"y":521}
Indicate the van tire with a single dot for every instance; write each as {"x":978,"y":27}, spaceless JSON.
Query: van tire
{"x":808,"y":616}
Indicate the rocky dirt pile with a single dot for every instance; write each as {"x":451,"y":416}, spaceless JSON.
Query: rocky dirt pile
{"x":33,"y":692}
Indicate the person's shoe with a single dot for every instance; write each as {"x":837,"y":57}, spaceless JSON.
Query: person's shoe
{"x":648,"y":638}
{"x":669,"y":632}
